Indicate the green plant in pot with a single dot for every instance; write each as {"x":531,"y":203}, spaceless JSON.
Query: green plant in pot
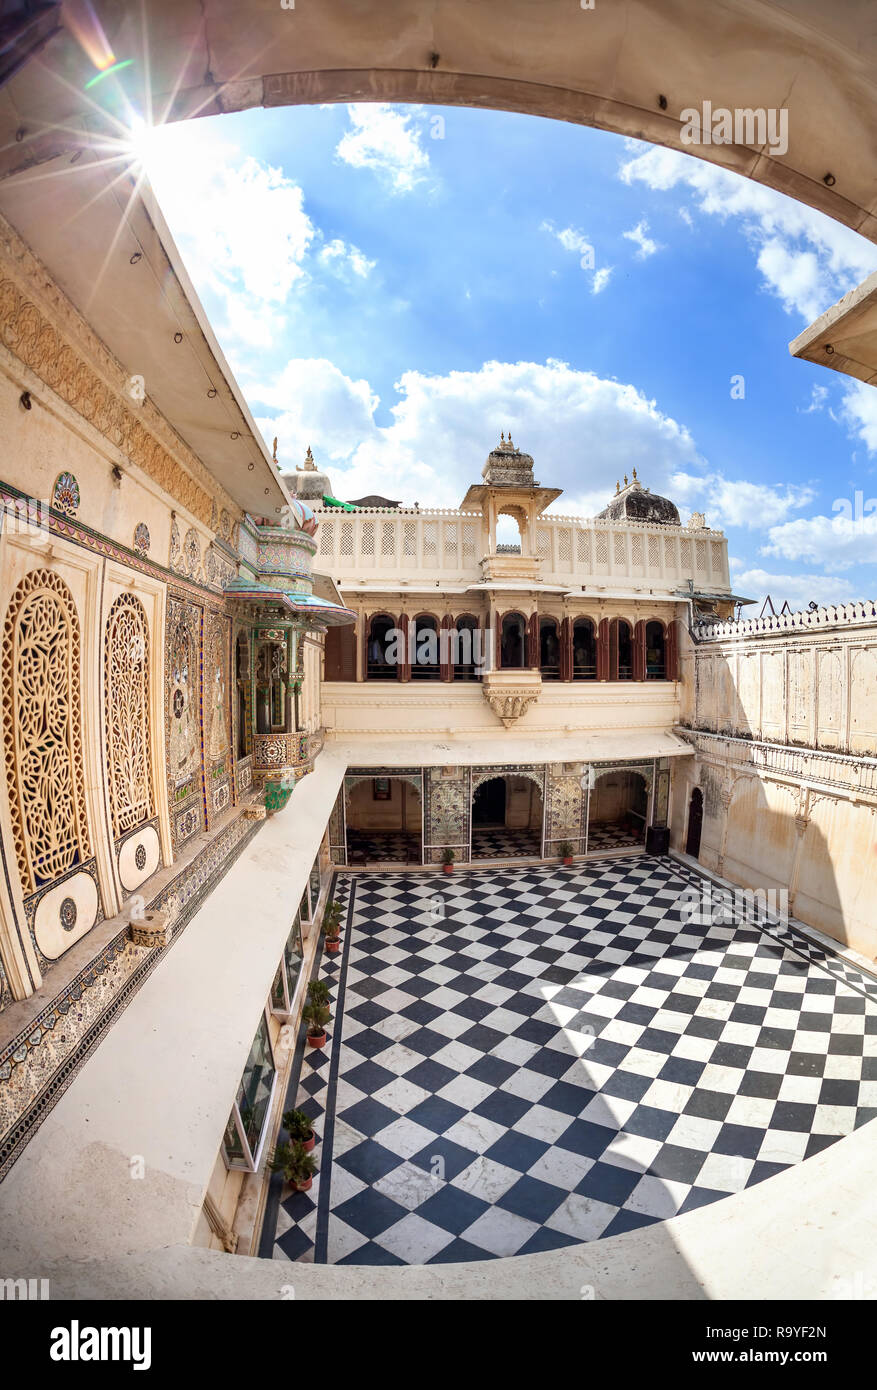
{"x":300,"y":1129}
{"x":448,"y":857}
{"x":331,"y":927}
{"x":316,"y":1016}
{"x":566,"y":851}
{"x":318,"y":992}
{"x":295,"y":1163}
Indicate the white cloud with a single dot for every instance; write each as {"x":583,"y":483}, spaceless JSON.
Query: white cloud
{"x":575,"y":241}
{"x":241,"y":224}
{"x":859,"y":412}
{"x":646,"y":246}
{"x":736,"y":502}
{"x":799,"y":589}
{"x":847,"y":538}
{"x":387,"y":140}
{"x":805,"y":258}
{"x":340,"y":255}
{"x":583,"y":431}
{"x":818,"y":397}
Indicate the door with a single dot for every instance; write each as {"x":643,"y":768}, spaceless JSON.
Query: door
{"x":695,"y":822}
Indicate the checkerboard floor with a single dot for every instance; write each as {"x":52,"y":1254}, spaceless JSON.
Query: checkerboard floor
{"x":497,"y":842}
{"x":388,"y":847}
{"x":608,"y":835}
{"x":524,"y":1059}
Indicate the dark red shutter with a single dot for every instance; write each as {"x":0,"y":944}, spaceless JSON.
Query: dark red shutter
{"x":671,"y":653}
{"x":566,"y":649}
{"x":445,"y":655}
{"x":404,"y":671}
{"x":603,"y":650}
{"x":639,"y":650}
{"x":533,"y":642}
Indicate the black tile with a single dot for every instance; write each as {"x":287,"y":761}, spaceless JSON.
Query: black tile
{"x":518,"y":1151}
{"x":436,"y":1114}
{"x":368,"y":1161}
{"x":532,"y":1199}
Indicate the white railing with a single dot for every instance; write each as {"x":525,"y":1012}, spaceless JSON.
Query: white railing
{"x":857,"y":773}
{"x":444,"y":544}
{"x":832,"y":615}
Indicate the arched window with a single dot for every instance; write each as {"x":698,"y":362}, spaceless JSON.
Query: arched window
{"x":378,"y":644}
{"x":41,"y":698}
{"x":425,"y":664}
{"x":584,"y":650}
{"x":549,"y":649}
{"x":620,"y":650}
{"x":513,"y":643}
{"x":656,"y":659}
{"x":466,"y":655}
{"x":126,"y":691}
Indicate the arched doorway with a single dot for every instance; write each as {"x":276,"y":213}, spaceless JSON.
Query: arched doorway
{"x":513,"y":642}
{"x":507,"y":815}
{"x":617,"y":810}
{"x":384,"y":821}
{"x":466,"y":654}
{"x":584,"y":650}
{"x":379,"y":643}
{"x":425,"y":663}
{"x":549,"y":650}
{"x":695,"y":823}
{"x":656,"y":651}
{"x":620,"y":650}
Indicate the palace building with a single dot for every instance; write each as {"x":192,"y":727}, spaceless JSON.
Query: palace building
{"x":231,"y":698}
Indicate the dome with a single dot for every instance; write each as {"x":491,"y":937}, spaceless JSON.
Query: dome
{"x":633,"y":502}
{"x":308,"y":482}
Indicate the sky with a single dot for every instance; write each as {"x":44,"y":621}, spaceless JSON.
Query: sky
{"x":396,"y":286}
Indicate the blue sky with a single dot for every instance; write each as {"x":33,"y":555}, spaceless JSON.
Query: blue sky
{"x":396,"y":285}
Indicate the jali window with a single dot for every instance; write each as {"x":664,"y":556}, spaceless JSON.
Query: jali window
{"x":126,"y":683}
{"x":41,"y":698}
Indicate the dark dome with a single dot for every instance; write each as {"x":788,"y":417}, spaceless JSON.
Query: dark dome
{"x":636,"y":503}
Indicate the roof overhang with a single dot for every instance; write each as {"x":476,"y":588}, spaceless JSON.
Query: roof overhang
{"x":301,"y":607}
{"x":479,"y":492}
{"x":622,"y":745}
{"x":86,"y":224}
{"x":844,"y":338}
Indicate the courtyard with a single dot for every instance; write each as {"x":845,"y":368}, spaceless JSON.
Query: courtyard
{"x":525,"y":1059}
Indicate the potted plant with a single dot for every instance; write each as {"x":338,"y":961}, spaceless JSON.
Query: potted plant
{"x":566,"y":851}
{"x":295,"y":1163}
{"x":316,"y":1016}
{"x":331,"y":927}
{"x":448,"y":857}
{"x":316,"y":1012}
{"x":299,"y":1128}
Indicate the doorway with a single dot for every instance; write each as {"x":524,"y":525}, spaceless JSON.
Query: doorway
{"x":695,"y":823}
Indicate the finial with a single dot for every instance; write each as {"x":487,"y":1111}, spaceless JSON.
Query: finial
{"x":634,"y":475}
{"x":617,"y":487}
{"x":275,"y":448}
{"x":502,"y":438}
{"x":309,"y":459}
{"x":625,"y":480}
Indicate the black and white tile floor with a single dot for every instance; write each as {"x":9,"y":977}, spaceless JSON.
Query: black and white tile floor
{"x":524,"y":1059}
{"x":498,"y":842}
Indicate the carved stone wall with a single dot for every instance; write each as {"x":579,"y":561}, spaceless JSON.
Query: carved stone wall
{"x":183,"y":720}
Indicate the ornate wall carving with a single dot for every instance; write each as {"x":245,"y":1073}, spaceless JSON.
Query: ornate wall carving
{"x":126,"y":686}
{"x":43,"y":743}
{"x":447,"y":813}
{"x":217,"y":712}
{"x":183,"y":719}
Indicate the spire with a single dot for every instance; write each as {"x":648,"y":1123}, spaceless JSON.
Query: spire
{"x":634,"y":475}
{"x":309,"y":461}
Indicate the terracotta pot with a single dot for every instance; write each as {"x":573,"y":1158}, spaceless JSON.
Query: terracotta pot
{"x":567,"y":859}
{"x":303,"y":1186}
{"x":448,"y":868}
{"x":333,"y":946}
{"x":308,"y":1144}
{"x":316,"y":1039}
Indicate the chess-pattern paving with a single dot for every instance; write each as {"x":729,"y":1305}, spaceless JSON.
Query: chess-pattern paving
{"x":498,"y":842}
{"x":608,"y":835}
{"x":528,"y":1058}
{"x":387,"y":847}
